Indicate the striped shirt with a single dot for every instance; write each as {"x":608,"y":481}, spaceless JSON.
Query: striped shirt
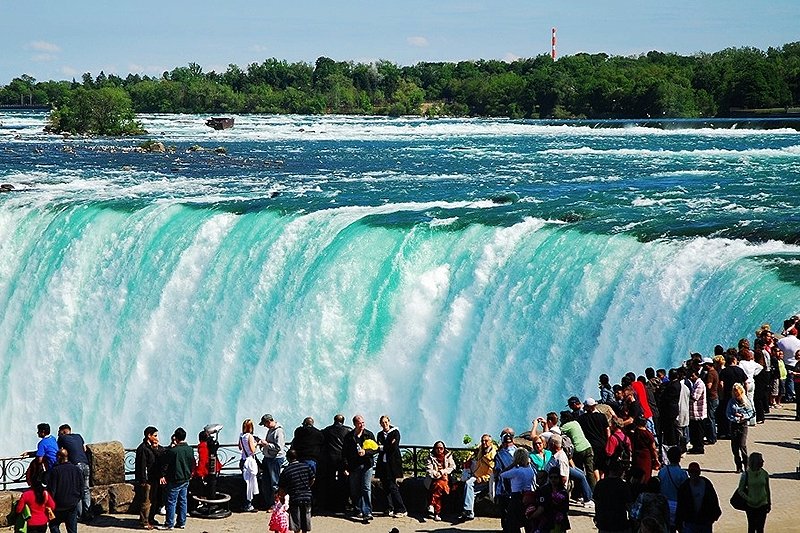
{"x":296,"y":480}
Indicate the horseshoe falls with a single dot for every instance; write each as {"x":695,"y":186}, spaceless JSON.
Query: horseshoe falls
{"x":457,"y":275}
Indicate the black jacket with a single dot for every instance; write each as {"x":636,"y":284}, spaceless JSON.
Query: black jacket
{"x":65,"y":484}
{"x":390,"y":462}
{"x":709,"y":511}
{"x":307,"y":442}
{"x":147,"y":467}
{"x":350,"y":450}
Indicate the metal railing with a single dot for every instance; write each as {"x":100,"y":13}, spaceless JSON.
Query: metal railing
{"x":13,"y":469}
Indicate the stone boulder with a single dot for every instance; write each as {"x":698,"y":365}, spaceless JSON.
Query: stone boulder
{"x":7,"y":501}
{"x":107,"y":463}
{"x":100,"y":498}
{"x":120,"y":498}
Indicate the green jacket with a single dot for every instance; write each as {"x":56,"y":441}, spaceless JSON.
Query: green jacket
{"x":179,"y":461}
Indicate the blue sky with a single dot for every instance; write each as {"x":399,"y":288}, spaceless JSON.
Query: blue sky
{"x":59,"y":39}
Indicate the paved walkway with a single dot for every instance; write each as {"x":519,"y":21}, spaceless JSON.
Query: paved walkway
{"x":778,"y":440}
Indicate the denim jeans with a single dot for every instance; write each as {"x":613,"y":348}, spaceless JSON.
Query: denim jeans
{"x":361,"y":489}
{"x":70,"y":519}
{"x":579,"y":477}
{"x":176,"y":493}
{"x":86,"y":501}
{"x":711,"y":421}
{"x":471,"y":487}
{"x":271,"y":467}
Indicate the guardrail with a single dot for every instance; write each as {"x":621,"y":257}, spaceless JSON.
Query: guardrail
{"x":12,"y":469}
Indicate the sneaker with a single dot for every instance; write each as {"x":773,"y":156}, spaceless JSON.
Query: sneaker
{"x":369,"y":517}
{"x":430,"y":510}
{"x":400,"y":515}
{"x":163,"y":511}
{"x":164,"y":528}
{"x":467,"y":515}
{"x":589,"y":504}
{"x":437,"y":518}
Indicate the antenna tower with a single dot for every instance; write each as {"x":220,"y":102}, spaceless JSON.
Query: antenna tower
{"x":553,"y":45}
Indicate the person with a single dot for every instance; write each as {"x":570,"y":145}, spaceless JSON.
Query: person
{"x":644,"y":454}
{"x":76,"y":449}
{"x":698,"y":505}
{"x":698,"y":412}
{"x":502,"y":462}
{"x":540,"y":456}
{"x":308,"y":441}
{"x":583,"y":456}
{"x":296,"y":481}
{"x":390,"y":466}
{"x":332,"y":475}
{"x":606,"y":392}
{"x":612,"y":499}
{"x":711,"y":381}
{"x":46,"y":449}
{"x":547,"y":508}
{"x":650,"y":507}
{"x":728,"y":377}
{"x":671,"y":477}
{"x":177,"y":473}
{"x":65,"y":483}
{"x":595,"y":428}
{"x":360,"y":465}
{"x":751,"y":369}
{"x":248,"y":465}
{"x":477,"y":473}
{"x":754,"y":488}
{"x":273,"y":445}
{"x":439,"y":466}
{"x":521,"y":479}
{"x":147,"y":476}
{"x":38,"y":500}
{"x":619,"y":447}
{"x":575,"y":406}
{"x":668,"y":407}
{"x":201,"y":468}
{"x":739,"y":412}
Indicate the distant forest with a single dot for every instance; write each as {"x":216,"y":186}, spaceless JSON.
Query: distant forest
{"x":583,"y":85}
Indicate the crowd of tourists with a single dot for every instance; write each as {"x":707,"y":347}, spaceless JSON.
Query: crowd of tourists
{"x":618,"y":457}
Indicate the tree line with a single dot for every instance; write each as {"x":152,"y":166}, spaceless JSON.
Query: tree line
{"x":583,"y":85}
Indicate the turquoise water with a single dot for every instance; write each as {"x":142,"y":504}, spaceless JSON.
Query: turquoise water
{"x":458,"y":275}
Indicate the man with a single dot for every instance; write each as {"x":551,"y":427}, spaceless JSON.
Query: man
{"x":574,"y":404}
{"x":147,"y":477}
{"x":65,"y":484}
{"x":476,"y":477}
{"x":613,"y":498}
{"x":789,"y":345}
{"x":583,"y":454}
{"x":683,"y":408}
{"x":595,"y":428}
{"x":332,"y":474}
{"x":179,"y":459}
{"x":274,"y":455}
{"x":46,"y":450}
{"x":698,"y":505}
{"x":296,"y":480}
{"x":76,"y":448}
{"x":670,"y":397}
{"x":360,"y":466}
{"x":549,"y":426}
{"x":307,"y":442}
{"x":711,"y":380}
{"x":503,"y":460}
{"x":698,"y":412}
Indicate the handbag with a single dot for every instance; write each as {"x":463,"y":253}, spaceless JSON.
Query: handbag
{"x":51,"y":515}
{"x":738,"y":501}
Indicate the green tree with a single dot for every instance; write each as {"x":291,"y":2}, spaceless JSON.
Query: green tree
{"x":104,"y":111}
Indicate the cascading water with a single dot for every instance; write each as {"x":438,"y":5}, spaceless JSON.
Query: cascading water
{"x":373,"y":283}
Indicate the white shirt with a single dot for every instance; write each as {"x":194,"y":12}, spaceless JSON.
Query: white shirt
{"x":789,"y":345}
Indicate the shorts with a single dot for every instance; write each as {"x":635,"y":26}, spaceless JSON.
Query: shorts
{"x":299,"y":516}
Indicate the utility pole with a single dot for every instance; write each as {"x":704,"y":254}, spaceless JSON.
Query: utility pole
{"x":553,"y":45}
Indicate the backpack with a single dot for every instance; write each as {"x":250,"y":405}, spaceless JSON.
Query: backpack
{"x":623,"y":453}
{"x":567,"y":445}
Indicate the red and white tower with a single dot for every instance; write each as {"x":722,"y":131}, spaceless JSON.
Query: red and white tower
{"x":553,"y":46}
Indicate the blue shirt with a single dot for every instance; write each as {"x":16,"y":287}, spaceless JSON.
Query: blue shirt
{"x":671,"y":477}
{"x":521,"y":478}
{"x":47,"y":448}
{"x":74,"y":444}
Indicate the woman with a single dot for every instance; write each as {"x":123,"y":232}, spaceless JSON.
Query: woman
{"x":539,"y":458}
{"x":248,"y":464}
{"x":390,"y":466}
{"x":762,"y":384}
{"x":38,"y":500}
{"x":645,"y":455}
{"x":546,"y":509}
{"x":754,"y":488}
{"x":521,"y":479}
{"x":437,"y":479}
{"x":202,"y":466}
{"x":739,"y":412}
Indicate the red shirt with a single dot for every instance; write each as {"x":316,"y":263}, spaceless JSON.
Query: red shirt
{"x":38,"y":516}
{"x":641,"y":394}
